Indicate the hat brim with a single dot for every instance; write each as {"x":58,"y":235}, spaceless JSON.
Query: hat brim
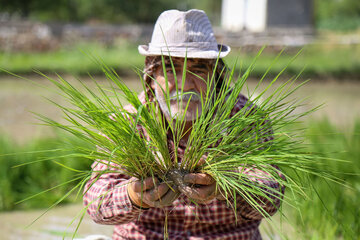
{"x":223,"y":50}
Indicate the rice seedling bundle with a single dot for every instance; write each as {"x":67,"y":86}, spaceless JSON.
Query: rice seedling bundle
{"x":253,"y":138}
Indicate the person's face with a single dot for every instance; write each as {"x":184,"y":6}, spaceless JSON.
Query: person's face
{"x":194,"y":86}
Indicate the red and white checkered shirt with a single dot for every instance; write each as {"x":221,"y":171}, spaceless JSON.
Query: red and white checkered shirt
{"x":108,"y":203}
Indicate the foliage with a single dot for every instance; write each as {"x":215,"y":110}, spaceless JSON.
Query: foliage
{"x":338,"y":216}
{"x":124,"y":57}
{"x":330,"y":8}
{"x":19,"y":179}
{"x":320,"y":61}
{"x":329,"y":14}
{"x":119,"y":11}
{"x":23,"y":7}
{"x":330,"y":211}
{"x":337,"y":15}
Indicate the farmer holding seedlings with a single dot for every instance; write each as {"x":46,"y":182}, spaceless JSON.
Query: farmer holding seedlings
{"x":181,"y":58}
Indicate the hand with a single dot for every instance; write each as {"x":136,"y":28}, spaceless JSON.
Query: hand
{"x":201,"y":187}
{"x":151,"y":193}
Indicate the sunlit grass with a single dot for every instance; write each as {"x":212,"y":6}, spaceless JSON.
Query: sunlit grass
{"x":337,"y":214}
{"x":25,"y":170}
{"x":73,"y":60}
{"x":321,"y":60}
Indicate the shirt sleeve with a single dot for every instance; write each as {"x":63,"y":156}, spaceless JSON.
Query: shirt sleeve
{"x":106,"y":197}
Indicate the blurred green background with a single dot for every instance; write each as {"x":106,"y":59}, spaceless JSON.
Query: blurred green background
{"x":330,"y":59}
{"x":340,"y":15}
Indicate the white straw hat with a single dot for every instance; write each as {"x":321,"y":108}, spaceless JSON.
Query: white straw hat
{"x":184,"y":33}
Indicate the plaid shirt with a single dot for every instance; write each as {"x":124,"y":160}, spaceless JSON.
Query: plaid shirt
{"x":108,"y":203}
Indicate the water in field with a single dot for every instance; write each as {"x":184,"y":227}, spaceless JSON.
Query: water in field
{"x":18,"y":98}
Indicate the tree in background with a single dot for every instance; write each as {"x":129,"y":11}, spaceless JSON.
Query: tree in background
{"x":21,"y":7}
{"x":329,"y":14}
{"x":337,"y":14}
{"x":60,"y":10}
{"x":112,"y":11}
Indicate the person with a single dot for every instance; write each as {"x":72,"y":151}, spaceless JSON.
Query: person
{"x":138,"y":208}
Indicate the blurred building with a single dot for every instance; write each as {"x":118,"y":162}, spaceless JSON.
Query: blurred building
{"x":259,"y":15}
{"x":271,"y":22}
